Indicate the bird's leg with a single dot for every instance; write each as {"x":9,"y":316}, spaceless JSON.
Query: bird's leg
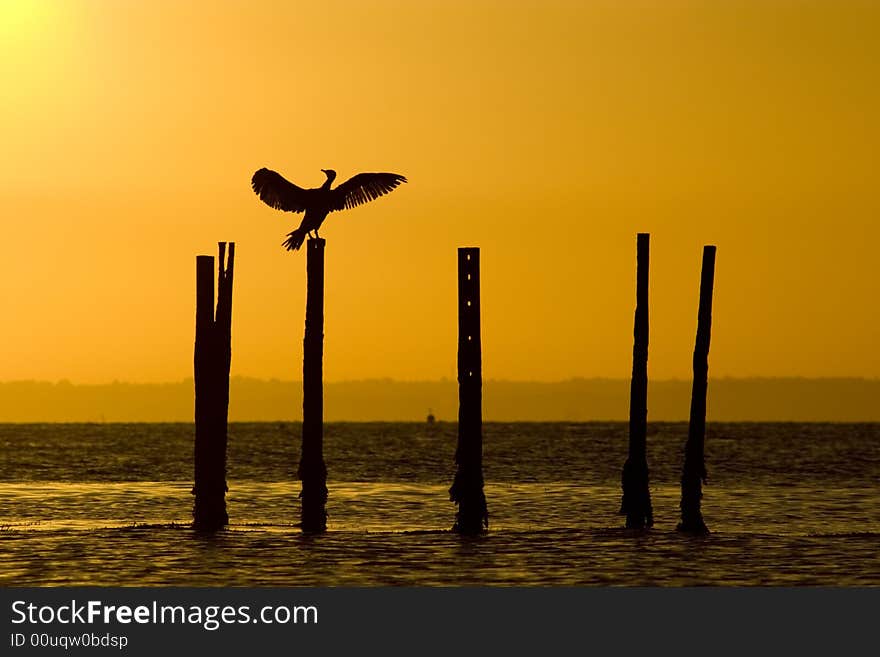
{"x":316,"y":234}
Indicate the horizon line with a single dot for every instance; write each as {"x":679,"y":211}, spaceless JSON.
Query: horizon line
{"x":452,"y":380}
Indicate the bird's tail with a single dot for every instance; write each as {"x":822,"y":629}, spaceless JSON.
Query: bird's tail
{"x":294,"y":240}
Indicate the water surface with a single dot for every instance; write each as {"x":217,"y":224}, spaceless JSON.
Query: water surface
{"x":110,"y":504}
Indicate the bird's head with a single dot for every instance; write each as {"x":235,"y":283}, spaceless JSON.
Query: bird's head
{"x":330,"y":173}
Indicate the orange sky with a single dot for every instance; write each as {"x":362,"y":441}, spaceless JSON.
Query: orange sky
{"x":547,"y":133}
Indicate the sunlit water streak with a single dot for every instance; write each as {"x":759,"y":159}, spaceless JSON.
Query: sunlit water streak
{"x":788,"y":504}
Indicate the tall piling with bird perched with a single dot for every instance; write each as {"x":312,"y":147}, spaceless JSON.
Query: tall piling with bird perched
{"x":636,"y":502}
{"x":211,"y":363}
{"x":467,"y":488}
{"x":312,"y":471}
{"x":694,"y":471}
{"x":281,"y":194}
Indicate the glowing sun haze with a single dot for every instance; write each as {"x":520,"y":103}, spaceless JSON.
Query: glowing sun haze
{"x":547,"y":133}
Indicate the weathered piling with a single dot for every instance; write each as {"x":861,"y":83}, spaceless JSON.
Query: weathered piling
{"x":312,"y":471}
{"x":211,"y":361}
{"x":694,"y":471}
{"x":636,"y":503}
{"x":223,"y":336}
{"x":467,"y":488}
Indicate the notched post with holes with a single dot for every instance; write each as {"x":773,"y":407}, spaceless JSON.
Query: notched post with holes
{"x":636,"y":503}
{"x":312,"y":470}
{"x":467,"y":488}
{"x":211,"y":362}
{"x":693,"y":474}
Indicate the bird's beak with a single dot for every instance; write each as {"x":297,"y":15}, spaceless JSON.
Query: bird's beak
{"x":323,"y":170}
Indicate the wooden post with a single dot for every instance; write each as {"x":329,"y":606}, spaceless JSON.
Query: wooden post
{"x":467,"y":488}
{"x":211,"y":361}
{"x":636,"y":503}
{"x":223,"y":357}
{"x":312,"y":471}
{"x":694,"y":471}
{"x":203,"y":515}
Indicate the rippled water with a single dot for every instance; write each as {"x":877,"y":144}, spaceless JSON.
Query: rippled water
{"x":110,"y":504}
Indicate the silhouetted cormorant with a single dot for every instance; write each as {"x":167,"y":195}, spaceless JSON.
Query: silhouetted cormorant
{"x":317,"y":203}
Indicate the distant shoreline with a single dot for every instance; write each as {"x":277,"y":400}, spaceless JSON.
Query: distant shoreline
{"x":576,"y":400}
{"x":417,"y":423}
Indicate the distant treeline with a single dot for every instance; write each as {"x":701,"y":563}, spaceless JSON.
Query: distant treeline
{"x":783,"y":399}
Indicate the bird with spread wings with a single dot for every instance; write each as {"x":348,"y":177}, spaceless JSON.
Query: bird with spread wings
{"x":317,"y":203}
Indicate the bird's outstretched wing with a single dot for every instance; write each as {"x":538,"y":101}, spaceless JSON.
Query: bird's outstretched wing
{"x":364,"y":187}
{"x":279,"y":193}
